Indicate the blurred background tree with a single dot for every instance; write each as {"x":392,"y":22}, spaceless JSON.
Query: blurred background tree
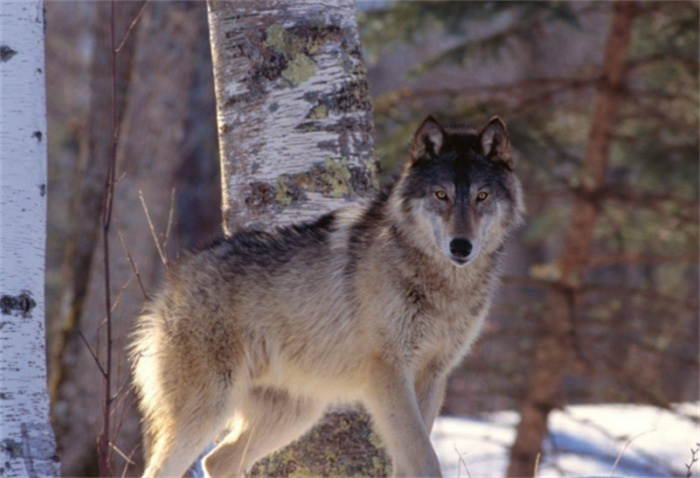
{"x":631,"y":314}
{"x":600,"y":300}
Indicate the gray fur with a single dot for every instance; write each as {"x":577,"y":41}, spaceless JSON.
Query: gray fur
{"x":259,"y":333}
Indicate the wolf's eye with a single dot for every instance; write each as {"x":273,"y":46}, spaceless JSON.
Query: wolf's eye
{"x":441,"y":195}
{"x":481,"y":196}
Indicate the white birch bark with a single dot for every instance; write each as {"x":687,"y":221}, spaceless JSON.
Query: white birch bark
{"x":294,"y":112}
{"x":27,"y":446}
{"x":295,"y":121}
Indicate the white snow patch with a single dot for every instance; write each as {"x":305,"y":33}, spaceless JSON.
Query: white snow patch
{"x":584,"y":440}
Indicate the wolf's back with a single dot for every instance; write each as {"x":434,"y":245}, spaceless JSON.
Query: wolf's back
{"x":187,"y":342}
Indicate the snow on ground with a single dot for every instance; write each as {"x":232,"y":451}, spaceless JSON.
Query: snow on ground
{"x":584,"y":440}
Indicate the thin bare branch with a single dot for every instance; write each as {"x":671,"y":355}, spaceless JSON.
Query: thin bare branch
{"x":163,"y":259}
{"x":92,"y":353}
{"x":537,"y":465}
{"x":599,"y":260}
{"x":550,"y":85}
{"x":622,"y":452}
{"x":121,"y":453}
{"x":118,"y":300}
{"x":171,"y":216}
{"x":690,"y":64}
{"x":123,"y":388}
{"x":123,"y":408}
{"x":461,"y":462}
{"x":693,"y":460}
{"x":126,"y":466}
{"x":131,"y":27}
{"x":131,"y":261}
{"x":104,"y":452}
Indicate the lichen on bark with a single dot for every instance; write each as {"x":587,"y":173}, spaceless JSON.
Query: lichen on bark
{"x":331,"y":178}
{"x":340,"y":454}
{"x":294,"y":109}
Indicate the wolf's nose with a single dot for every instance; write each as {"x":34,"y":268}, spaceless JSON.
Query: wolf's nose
{"x":460,"y":247}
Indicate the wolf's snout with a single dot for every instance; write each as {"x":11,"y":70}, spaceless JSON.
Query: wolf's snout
{"x":460,"y":248}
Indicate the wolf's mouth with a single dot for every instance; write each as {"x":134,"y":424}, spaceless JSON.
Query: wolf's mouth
{"x":460,"y":261}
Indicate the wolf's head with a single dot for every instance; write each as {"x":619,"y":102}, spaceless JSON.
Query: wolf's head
{"x":458,"y":193}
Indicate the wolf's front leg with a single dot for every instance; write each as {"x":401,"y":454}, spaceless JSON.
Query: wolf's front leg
{"x":391,"y":400}
{"x":430,"y":392}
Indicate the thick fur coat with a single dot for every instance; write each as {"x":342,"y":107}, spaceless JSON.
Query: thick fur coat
{"x":258,"y":334}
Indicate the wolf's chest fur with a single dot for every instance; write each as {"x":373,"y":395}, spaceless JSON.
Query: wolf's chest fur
{"x":441,"y":309}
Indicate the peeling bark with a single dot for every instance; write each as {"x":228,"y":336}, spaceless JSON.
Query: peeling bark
{"x":553,"y":353}
{"x":27,"y":446}
{"x":295,"y":121}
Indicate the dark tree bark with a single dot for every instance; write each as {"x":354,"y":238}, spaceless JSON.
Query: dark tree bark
{"x":91,"y":175}
{"x":149,"y":155}
{"x":554,"y":348}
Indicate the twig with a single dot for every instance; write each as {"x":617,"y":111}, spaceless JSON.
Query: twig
{"x":121,"y":453}
{"x":461,"y":462}
{"x":163,"y":259}
{"x":170,"y":221}
{"x":120,"y":380}
{"x":117,"y":398}
{"x":131,"y":27}
{"x":128,"y":461}
{"x":537,"y":465}
{"x":131,"y":261}
{"x":104,"y":451}
{"x":693,"y":460}
{"x":123,"y":407}
{"x":92,"y":352}
{"x":600,"y":260}
{"x":119,"y":297}
{"x":627,"y":443}
{"x":124,"y":387}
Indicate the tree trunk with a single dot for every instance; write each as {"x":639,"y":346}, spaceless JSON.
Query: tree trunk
{"x":91,"y":175}
{"x":553,"y":348}
{"x":28,"y":447}
{"x":295,"y":121}
{"x":149,"y":156}
{"x":294,"y":110}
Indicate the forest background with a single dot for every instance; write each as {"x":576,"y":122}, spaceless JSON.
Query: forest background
{"x":630,"y":331}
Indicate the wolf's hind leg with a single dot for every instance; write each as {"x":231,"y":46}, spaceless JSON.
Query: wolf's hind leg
{"x":180,"y":437}
{"x":272,"y":419}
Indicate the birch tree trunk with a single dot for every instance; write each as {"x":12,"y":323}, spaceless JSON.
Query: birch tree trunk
{"x":27,"y":446}
{"x":295,"y":121}
{"x":553,"y":351}
{"x":294,"y":112}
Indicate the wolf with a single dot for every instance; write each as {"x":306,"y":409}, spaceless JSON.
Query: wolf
{"x":259,"y":333}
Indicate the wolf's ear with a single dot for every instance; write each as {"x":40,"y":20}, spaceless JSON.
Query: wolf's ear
{"x":494,"y":142}
{"x":428,"y":140}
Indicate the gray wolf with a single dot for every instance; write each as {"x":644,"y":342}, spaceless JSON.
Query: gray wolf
{"x":258,"y":334}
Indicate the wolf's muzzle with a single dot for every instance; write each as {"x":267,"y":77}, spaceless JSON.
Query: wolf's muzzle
{"x":460,"y":248}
